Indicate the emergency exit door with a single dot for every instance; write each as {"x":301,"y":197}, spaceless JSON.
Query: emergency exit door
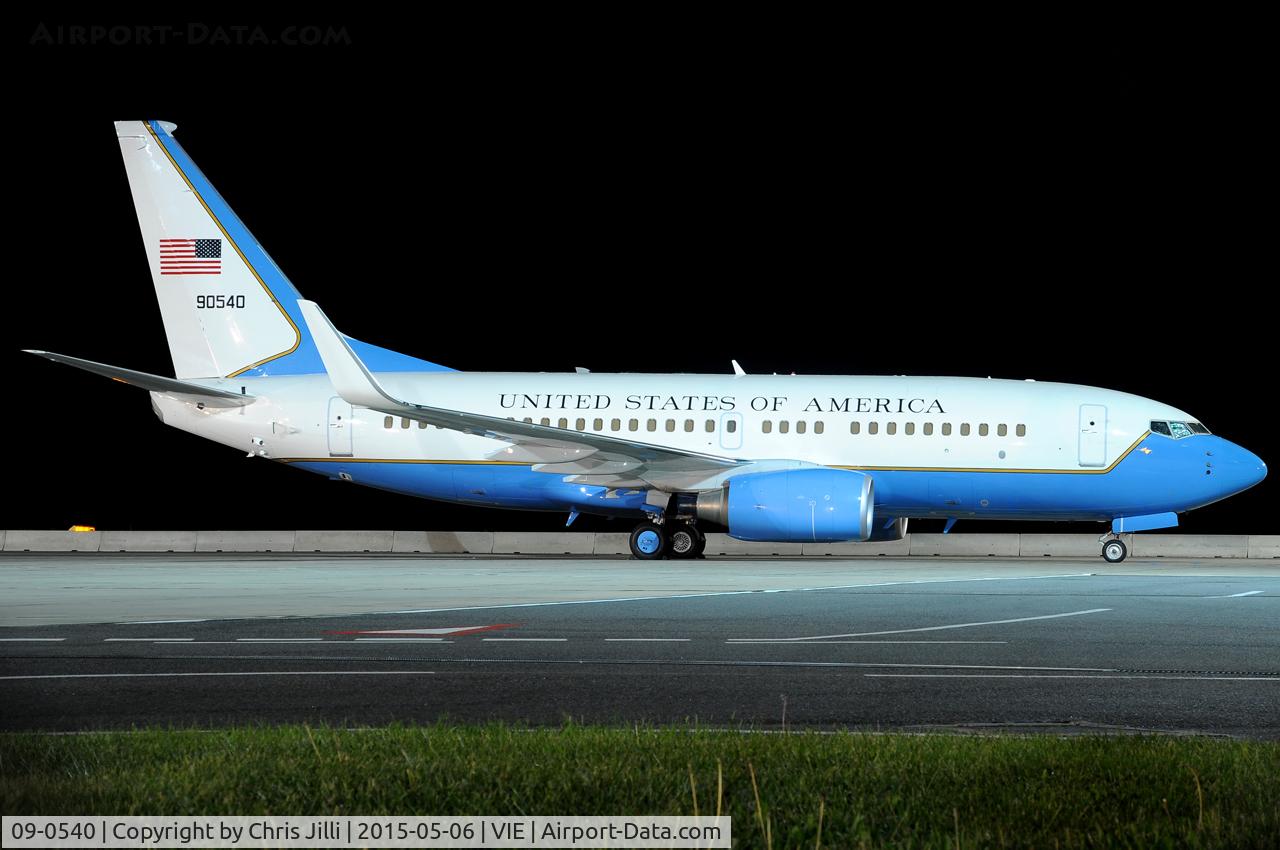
{"x":339,"y":428}
{"x":1093,"y":435}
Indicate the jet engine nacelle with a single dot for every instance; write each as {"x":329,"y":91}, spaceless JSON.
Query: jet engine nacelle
{"x":794,"y":505}
{"x":887,"y":531}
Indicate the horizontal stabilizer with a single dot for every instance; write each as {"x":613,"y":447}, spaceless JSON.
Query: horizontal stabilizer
{"x":147,"y":381}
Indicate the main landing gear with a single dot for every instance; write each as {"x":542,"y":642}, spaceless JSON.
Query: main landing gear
{"x":651,"y":541}
{"x":1113,"y":549}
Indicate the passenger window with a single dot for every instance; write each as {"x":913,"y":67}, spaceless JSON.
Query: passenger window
{"x":633,"y":424}
{"x":928,"y":429}
{"x":1002,"y":430}
{"x":964,"y":429}
{"x":564,"y":423}
{"x":731,"y":426}
{"x":983,"y":430}
{"x":819,"y":427}
{"x":422,"y":425}
{"x":946,"y":429}
{"x":387,"y":422}
{"x":615,"y":424}
{"x":545,"y":421}
{"x":1022,"y":430}
{"x":873,"y":427}
{"x":855,"y":427}
{"x":891,"y":428}
{"x":528,"y":420}
{"x":597,"y":425}
{"x":688,"y":426}
{"x":404,"y":423}
{"x":910,"y":428}
{"x":580,"y":425}
{"x":711,"y":426}
{"x":800,"y":427}
{"x":671,"y":425}
{"x":766,"y":427}
{"x":784,"y":426}
{"x":651,"y":425}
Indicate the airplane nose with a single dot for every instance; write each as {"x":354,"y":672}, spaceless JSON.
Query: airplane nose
{"x":1243,"y":467}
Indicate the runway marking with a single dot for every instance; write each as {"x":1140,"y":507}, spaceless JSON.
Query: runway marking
{"x":31,"y":640}
{"x":159,"y":622}
{"x":432,"y":641}
{"x":1048,"y":676}
{"x":279,"y":640}
{"x":525,"y":640}
{"x":246,"y":673}
{"x":451,"y":631}
{"x":929,"y":628}
{"x":807,"y":642}
{"x":147,"y":640}
{"x":647,"y":640}
{"x":725,"y":593}
{"x":1236,"y":595}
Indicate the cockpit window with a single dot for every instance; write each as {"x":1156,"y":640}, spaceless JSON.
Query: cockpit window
{"x":1177,"y":430}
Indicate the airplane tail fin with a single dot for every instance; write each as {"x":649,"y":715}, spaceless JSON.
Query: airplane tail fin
{"x":228,"y":309}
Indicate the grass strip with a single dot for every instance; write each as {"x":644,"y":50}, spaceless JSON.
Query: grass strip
{"x":843,"y":790}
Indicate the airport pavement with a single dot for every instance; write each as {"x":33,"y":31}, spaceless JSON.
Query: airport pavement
{"x":1180,"y":646}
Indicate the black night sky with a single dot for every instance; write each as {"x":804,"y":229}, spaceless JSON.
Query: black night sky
{"x":658,"y":195}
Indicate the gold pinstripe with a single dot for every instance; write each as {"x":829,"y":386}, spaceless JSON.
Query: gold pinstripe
{"x":296,"y":333}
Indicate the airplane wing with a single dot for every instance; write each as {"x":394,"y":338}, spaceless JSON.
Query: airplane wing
{"x":589,"y":458}
{"x":194,"y":392}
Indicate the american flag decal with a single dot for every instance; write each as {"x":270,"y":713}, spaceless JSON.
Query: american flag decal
{"x":190,"y":256}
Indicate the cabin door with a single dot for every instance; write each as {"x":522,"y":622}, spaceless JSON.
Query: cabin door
{"x":1093,"y":435}
{"x":339,"y":428}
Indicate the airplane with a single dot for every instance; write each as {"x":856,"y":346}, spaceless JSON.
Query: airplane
{"x":767,"y":457}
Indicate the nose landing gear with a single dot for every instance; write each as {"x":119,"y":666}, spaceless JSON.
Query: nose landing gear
{"x":1113,"y":549}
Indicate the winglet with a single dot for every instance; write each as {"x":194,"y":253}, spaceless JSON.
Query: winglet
{"x":737,"y":370}
{"x":347,"y":373}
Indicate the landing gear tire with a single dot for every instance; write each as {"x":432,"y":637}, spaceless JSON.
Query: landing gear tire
{"x":686,"y":542}
{"x":648,"y":542}
{"x":1114,"y":551}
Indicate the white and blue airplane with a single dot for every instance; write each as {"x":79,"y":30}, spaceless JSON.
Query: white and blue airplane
{"x":769,"y":457}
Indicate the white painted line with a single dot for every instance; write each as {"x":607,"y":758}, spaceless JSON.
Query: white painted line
{"x":1237,"y":595}
{"x":935,"y":628}
{"x":525,"y":640}
{"x":31,"y":640}
{"x":394,"y":640}
{"x":279,"y":640}
{"x":647,"y":640}
{"x":1038,"y":676}
{"x":796,"y":642}
{"x":160,"y":622}
{"x":731,"y":593}
{"x":146,"y":640}
{"x":248,"y":673}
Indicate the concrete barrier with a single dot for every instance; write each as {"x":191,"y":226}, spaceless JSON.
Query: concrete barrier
{"x":1061,"y":545}
{"x":148,"y":541}
{"x":612,"y":543}
{"x":895,"y":549}
{"x":1264,"y":546}
{"x":723,"y":544}
{"x":443,"y":542}
{"x":52,"y":541}
{"x":2,"y":534}
{"x":244,"y":541}
{"x":965,"y":545}
{"x":342,"y":541}
{"x":1189,"y":546}
{"x":553,"y":543}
